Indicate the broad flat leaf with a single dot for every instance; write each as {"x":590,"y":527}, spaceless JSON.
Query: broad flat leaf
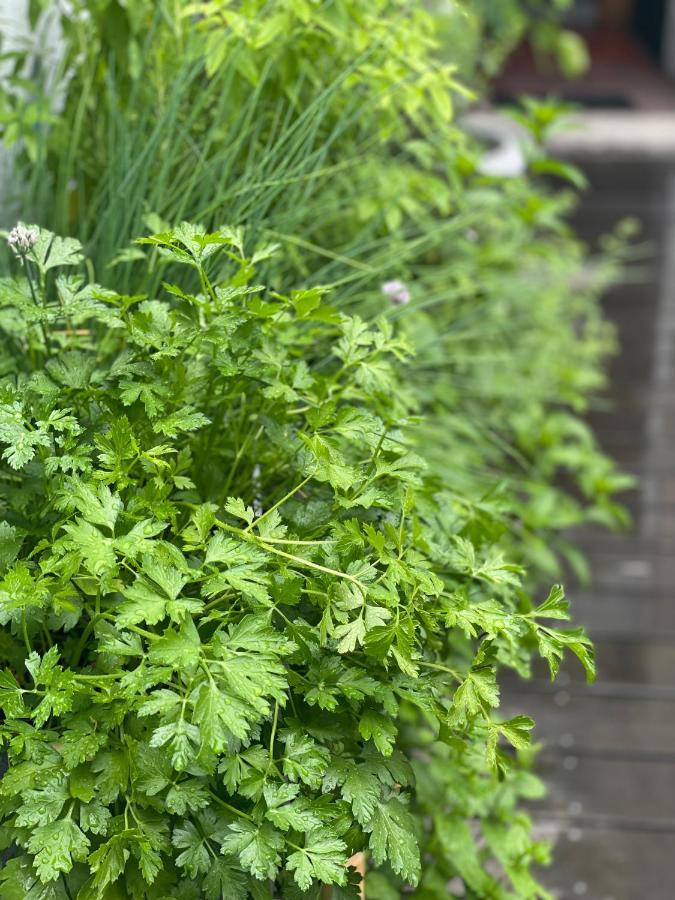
{"x":51,"y":251}
{"x":195,"y":857}
{"x":380,"y":729}
{"x":392,"y":838}
{"x":56,"y":847}
{"x":224,"y":881}
{"x":476,"y":694}
{"x":10,"y":544}
{"x":242,"y":569}
{"x":168,"y":577}
{"x":350,"y":635}
{"x":11,"y":695}
{"x":303,"y":759}
{"x":143,"y":603}
{"x":460,"y":846}
{"x":257,"y":847}
{"x":552,"y":643}
{"x":322,"y":859}
{"x":517,"y":731}
{"x":187,"y":796}
{"x":96,"y":503}
{"x":220,"y":715}
{"x":109,"y":861}
{"x":285,"y":811}
{"x":178,"y":649}
{"x":237,"y":508}
{"x":96,"y":549}
{"x":186,"y":419}
{"x":555,"y":606}
{"x":362,"y":789}
{"x":182,"y":739}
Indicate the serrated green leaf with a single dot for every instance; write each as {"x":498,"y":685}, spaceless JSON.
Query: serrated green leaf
{"x":392,"y":839}
{"x":256,"y":846}
{"x":322,"y":859}
{"x":56,"y":847}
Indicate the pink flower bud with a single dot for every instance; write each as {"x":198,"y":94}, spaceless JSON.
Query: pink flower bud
{"x":397,"y":292}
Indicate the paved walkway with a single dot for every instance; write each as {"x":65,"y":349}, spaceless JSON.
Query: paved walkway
{"x":610,"y":747}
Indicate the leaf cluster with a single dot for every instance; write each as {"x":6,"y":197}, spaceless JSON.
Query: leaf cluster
{"x":229,"y":585}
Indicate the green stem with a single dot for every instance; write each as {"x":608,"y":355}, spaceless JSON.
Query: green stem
{"x":43,"y":327}
{"x":439,"y":668}
{"x":207,"y":286}
{"x":232,"y":809}
{"x":140,"y":631}
{"x":237,"y":460}
{"x":83,"y":640}
{"x":218,"y":600}
{"x":24,"y":631}
{"x":312,"y":565}
{"x":65,"y":887}
{"x":299,"y":560}
{"x":103,"y":676}
{"x":303,"y":543}
{"x":278,"y":503}
{"x":47,"y":636}
{"x":274,"y":729}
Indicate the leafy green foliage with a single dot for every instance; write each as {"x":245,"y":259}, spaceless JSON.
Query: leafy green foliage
{"x":253,"y":605}
{"x":222,"y":631}
{"x":355,"y":163}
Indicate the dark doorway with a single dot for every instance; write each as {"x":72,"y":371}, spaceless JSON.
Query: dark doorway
{"x":648,"y":22}
{"x":643,"y":20}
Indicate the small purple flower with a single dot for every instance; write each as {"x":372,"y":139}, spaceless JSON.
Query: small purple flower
{"x":397,"y":292}
{"x":22,"y":238}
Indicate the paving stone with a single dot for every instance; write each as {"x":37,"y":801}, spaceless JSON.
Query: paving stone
{"x":609,"y":748}
{"x":637,"y":611}
{"x":628,"y":660}
{"x":605,"y":864}
{"x":610,"y":788}
{"x":597,"y":721}
{"x":623,"y":570}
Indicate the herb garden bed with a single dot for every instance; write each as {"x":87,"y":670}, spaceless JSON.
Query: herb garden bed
{"x":279,"y":501}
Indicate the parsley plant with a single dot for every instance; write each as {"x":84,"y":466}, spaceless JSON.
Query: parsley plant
{"x":248,"y":633}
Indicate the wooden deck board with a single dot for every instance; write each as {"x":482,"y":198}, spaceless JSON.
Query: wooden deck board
{"x":609,"y":752}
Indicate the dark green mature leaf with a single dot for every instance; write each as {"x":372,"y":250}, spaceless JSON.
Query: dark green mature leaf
{"x":224,"y":881}
{"x":10,"y":544}
{"x":362,"y":789}
{"x":380,"y":729}
{"x":109,"y":861}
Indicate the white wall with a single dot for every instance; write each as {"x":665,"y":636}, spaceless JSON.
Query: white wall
{"x":45,"y":42}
